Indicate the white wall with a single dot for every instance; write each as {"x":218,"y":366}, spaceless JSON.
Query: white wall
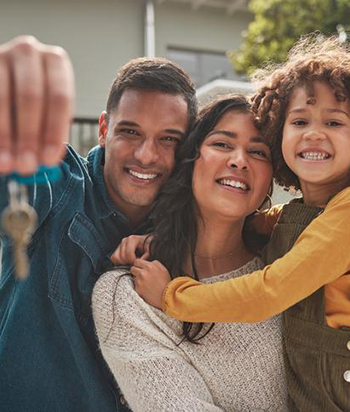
{"x":101,"y":35}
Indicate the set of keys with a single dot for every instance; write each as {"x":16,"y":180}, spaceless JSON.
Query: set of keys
{"x":19,"y":221}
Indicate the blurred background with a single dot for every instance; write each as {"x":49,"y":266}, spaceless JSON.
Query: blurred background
{"x":218,"y":42}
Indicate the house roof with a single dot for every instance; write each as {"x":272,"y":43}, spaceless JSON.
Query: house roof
{"x":231,"y":6}
{"x":220,"y":87}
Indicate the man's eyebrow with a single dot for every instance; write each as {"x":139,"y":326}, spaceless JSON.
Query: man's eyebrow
{"x":133,"y":124}
{"x":175,"y":131}
{"x":254,"y":139}
{"x":127,"y":123}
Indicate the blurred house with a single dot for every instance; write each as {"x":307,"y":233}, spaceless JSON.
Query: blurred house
{"x":102,"y":35}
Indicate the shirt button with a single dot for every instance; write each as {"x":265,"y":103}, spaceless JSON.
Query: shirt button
{"x":348,"y":345}
{"x":347,"y":376}
{"x":123,"y":401}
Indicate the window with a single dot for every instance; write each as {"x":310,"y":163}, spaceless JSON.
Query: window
{"x":203,"y":67}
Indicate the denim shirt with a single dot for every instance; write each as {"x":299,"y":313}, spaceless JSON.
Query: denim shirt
{"x":49,"y":354}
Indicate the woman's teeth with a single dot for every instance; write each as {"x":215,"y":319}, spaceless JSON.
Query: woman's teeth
{"x":233,"y":183}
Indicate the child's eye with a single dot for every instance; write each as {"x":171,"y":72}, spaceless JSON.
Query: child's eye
{"x":334,"y":123}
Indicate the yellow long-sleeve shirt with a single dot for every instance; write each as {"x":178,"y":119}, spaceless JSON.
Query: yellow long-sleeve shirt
{"x":320,"y":256}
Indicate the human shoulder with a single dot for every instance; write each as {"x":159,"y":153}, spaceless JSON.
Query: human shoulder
{"x":117,"y":280}
{"x":341,"y":198}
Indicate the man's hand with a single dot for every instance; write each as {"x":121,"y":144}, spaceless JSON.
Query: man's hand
{"x":150,"y":279}
{"x":36,"y":104}
{"x":130,"y":248}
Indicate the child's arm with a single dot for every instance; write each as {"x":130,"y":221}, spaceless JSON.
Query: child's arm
{"x":319,"y":256}
{"x":263,"y":222}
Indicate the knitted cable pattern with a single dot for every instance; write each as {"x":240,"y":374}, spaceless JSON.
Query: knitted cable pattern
{"x":236,"y":367}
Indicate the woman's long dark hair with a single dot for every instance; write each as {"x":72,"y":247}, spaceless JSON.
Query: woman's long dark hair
{"x":175,"y":214}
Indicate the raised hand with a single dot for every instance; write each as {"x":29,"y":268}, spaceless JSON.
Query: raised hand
{"x":150,"y":279}
{"x":36,"y":104}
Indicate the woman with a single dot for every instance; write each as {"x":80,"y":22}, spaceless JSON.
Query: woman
{"x":222,"y":176}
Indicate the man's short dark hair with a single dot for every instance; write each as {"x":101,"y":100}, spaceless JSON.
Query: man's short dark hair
{"x":154,"y":74}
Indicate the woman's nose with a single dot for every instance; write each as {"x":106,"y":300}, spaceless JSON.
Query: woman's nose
{"x":238,"y":160}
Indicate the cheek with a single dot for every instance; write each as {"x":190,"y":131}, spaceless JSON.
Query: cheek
{"x":288,"y":151}
{"x":265,"y":178}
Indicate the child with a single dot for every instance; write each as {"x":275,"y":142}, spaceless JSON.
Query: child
{"x":304,"y":107}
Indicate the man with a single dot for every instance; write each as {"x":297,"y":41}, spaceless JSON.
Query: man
{"x":49,"y":356}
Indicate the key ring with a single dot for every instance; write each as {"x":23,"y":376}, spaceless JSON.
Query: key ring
{"x":43,"y":174}
{"x":17,"y":193}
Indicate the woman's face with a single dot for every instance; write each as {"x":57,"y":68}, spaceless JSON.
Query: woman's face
{"x":233,"y":172}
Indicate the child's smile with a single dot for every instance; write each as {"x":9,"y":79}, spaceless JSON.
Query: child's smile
{"x":316,"y":142}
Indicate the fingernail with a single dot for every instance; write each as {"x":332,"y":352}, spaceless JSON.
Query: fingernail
{"x":6,"y":160}
{"x":50,"y":154}
{"x":27,"y":161}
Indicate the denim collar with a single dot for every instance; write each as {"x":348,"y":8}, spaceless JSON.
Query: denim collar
{"x":96,"y":158}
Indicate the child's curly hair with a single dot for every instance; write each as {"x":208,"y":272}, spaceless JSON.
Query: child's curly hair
{"x":313,"y":58}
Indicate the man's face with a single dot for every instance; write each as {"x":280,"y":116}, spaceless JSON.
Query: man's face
{"x":140,"y":141}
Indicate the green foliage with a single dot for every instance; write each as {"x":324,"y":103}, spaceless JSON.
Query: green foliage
{"x":279,"y":23}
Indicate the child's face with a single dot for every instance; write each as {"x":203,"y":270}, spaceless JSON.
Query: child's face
{"x":316,"y":142}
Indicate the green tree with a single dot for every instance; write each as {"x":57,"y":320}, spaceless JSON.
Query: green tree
{"x":278,"y":24}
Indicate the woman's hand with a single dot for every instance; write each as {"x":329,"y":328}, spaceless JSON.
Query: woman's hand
{"x":150,"y":279}
{"x":130,"y":248}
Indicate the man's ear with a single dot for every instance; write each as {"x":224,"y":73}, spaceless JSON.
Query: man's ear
{"x":102,"y":129}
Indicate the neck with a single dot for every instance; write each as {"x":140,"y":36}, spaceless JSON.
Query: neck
{"x":319,"y":195}
{"x":219,"y":248}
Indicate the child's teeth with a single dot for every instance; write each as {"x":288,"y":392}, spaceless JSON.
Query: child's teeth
{"x":314,"y":155}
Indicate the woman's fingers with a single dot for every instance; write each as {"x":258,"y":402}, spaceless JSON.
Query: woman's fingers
{"x":36,"y":104}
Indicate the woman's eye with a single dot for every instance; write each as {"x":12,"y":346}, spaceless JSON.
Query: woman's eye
{"x":223,"y":145}
{"x":260,"y":153}
{"x":299,"y":122}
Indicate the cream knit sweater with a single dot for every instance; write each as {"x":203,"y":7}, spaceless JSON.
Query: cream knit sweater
{"x":236,"y":367}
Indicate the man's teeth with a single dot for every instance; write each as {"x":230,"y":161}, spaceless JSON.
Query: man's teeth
{"x":233,"y":183}
{"x":142,"y":175}
{"x":314,"y":155}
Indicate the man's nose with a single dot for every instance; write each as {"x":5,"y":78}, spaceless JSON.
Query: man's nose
{"x":147,"y":152}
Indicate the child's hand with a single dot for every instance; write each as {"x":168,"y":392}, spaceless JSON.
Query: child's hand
{"x":130,"y":248}
{"x":150,"y":279}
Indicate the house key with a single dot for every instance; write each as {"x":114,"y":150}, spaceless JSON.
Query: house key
{"x":19,"y":221}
